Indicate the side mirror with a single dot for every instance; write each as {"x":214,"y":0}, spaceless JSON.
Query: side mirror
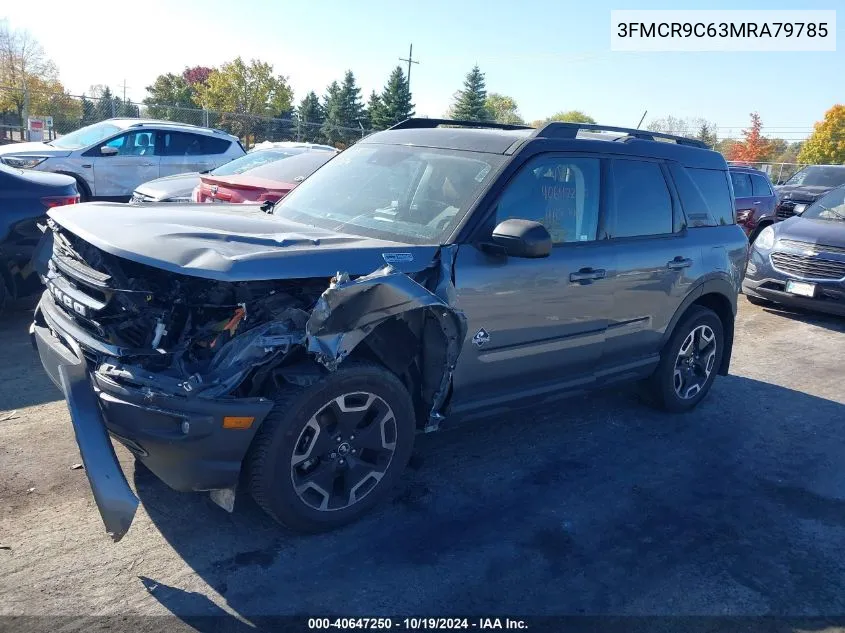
{"x":780,"y":182}
{"x":523,"y":238}
{"x":107,"y":150}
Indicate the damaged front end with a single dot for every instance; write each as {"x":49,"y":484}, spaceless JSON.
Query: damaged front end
{"x":182,"y":369}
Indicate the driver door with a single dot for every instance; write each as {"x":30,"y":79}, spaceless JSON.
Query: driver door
{"x":129,"y":161}
{"x":537,"y":326}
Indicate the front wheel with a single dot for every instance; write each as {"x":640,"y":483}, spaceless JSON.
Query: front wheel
{"x":689,"y":362}
{"x":328,"y":453}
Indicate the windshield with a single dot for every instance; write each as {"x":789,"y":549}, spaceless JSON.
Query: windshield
{"x":415,"y":195}
{"x":818,"y":176}
{"x":86,"y":136}
{"x":293,"y":169}
{"x":253,"y":159}
{"x":830,"y":206}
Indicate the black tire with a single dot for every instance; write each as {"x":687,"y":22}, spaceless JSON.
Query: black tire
{"x":82,"y":188}
{"x":289,"y":429}
{"x":661,"y":386}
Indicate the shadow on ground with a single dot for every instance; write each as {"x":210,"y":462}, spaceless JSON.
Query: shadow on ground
{"x":24,"y":381}
{"x":600,"y":506}
{"x":820,"y":319}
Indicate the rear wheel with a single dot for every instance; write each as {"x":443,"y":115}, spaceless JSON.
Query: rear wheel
{"x":328,"y":453}
{"x":689,"y":362}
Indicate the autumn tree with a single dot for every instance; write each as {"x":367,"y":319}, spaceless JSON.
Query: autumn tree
{"x":248,"y":93}
{"x":168,"y":98}
{"x":470,"y":102}
{"x":26,"y":72}
{"x":826,"y":145}
{"x":753,"y":146}
{"x":503,"y":109}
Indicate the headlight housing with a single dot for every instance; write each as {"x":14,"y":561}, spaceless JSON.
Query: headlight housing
{"x":799,"y":208}
{"x":24,"y":162}
{"x":766,"y":240}
{"x":742,"y":216}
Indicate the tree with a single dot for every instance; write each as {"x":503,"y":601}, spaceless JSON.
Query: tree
{"x":168,"y":94}
{"x":350,"y":108}
{"x":375,"y":112}
{"x":754,"y":145}
{"x":706,"y":134}
{"x":470,"y":102}
{"x":23,"y":67}
{"x":332,"y":121}
{"x":503,"y":108}
{"x":826,"y":145}
{"x":309,"y":118}
{"x":572,"y":116}
{"x":394,"y":103}
{"x":196,"y":75}
{"x":247,"y":93}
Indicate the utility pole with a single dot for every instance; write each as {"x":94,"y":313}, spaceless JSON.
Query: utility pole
{"x":410,"y":59}
{"x":124,"y":91}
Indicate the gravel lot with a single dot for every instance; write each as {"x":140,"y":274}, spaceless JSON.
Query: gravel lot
{"x":600,"y":506}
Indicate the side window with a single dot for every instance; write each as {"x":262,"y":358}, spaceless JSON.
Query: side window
{"x":214,"y":145}
{"x":642,"y":204}
{"x":742,"y":184}
{"x":560,"y":192}
{"x":134,"y":144}
{"x":705,"y":195}
{"x":760,"y":186}
{"x":183,"y":144}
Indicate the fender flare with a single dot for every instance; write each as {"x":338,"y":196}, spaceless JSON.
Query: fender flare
{"x":718,"y":286}
{"x":80,"y":180}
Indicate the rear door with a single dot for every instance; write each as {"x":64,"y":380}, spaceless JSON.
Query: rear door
{"x":117,"y":175}
{"x":656,"y":263}
{"x":537,"y":325}
{"x":183,"y":152}
{"x":744,"y":198}
{"x":763,"y":199}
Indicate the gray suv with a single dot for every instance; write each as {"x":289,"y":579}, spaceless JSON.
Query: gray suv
{"x":428,"y":274}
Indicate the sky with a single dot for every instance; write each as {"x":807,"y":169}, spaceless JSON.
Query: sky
{"x":548,"y":55}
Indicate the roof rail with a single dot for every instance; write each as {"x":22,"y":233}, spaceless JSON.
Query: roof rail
{"x":432,"y":123}
{"x":560,"y":129}
{"x":178,"y":124}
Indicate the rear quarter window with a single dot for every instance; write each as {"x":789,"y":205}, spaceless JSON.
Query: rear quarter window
{"x":705,"y":194}
{"x":761,"y":186}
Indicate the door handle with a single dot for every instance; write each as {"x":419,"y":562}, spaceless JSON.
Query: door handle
{"x":587,"y":275}
{"x":678,"y":263}
{"x":147,"y":164}
{"x":757,"y":202}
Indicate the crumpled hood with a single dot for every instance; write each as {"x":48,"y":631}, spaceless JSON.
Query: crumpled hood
{"x":31,"y":149}
{"x":177,"y":185}
{"x":831,"y":232}
{"x":800,"y":193}
{"x":231,"y":242}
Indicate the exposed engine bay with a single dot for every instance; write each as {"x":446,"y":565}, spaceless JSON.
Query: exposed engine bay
{"x":195,"y":337}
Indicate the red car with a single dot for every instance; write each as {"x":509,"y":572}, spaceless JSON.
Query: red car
{"x":268,"y":178}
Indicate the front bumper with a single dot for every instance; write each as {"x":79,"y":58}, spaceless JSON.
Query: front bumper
{"x":764,"y":281}
{"x":180,"y":439}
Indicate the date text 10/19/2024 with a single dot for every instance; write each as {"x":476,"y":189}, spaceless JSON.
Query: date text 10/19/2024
{"x":415,"y":624}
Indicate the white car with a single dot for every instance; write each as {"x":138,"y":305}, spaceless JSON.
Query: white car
{"x":111,"y":158}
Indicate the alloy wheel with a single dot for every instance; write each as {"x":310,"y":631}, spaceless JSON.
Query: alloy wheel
{"x":694,"y":362}
{"x":343,"y":451}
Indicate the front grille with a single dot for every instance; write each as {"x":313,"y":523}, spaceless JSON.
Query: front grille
{"x":816,"y":248}
{"x":809,"y":266}
{"x":785,"y":209}
{"x":139,"y":198}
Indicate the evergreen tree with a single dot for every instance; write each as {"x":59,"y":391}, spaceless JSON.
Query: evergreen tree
{"x":106,"y":107}
{"x":396,"y":101}
{"x":88,"y":111}
{"x":707,"y":135}
{"x":309,"y":118}
{"x":470,"y":102}
{"x":351,"y":108}
{"x":375,"y":112}
{"x":332,"y":121}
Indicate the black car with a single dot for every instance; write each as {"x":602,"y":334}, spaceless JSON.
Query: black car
{"x":806,"y":186}
{"x":801,"y":262}
{"x":432,"y":273}
{"x":25,"y":197}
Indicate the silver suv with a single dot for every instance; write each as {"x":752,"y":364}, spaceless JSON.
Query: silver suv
{"x":111,"y":158}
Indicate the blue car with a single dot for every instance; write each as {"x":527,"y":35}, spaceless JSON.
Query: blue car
{"x":800,"y":262}
{"x":25,"y":197}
